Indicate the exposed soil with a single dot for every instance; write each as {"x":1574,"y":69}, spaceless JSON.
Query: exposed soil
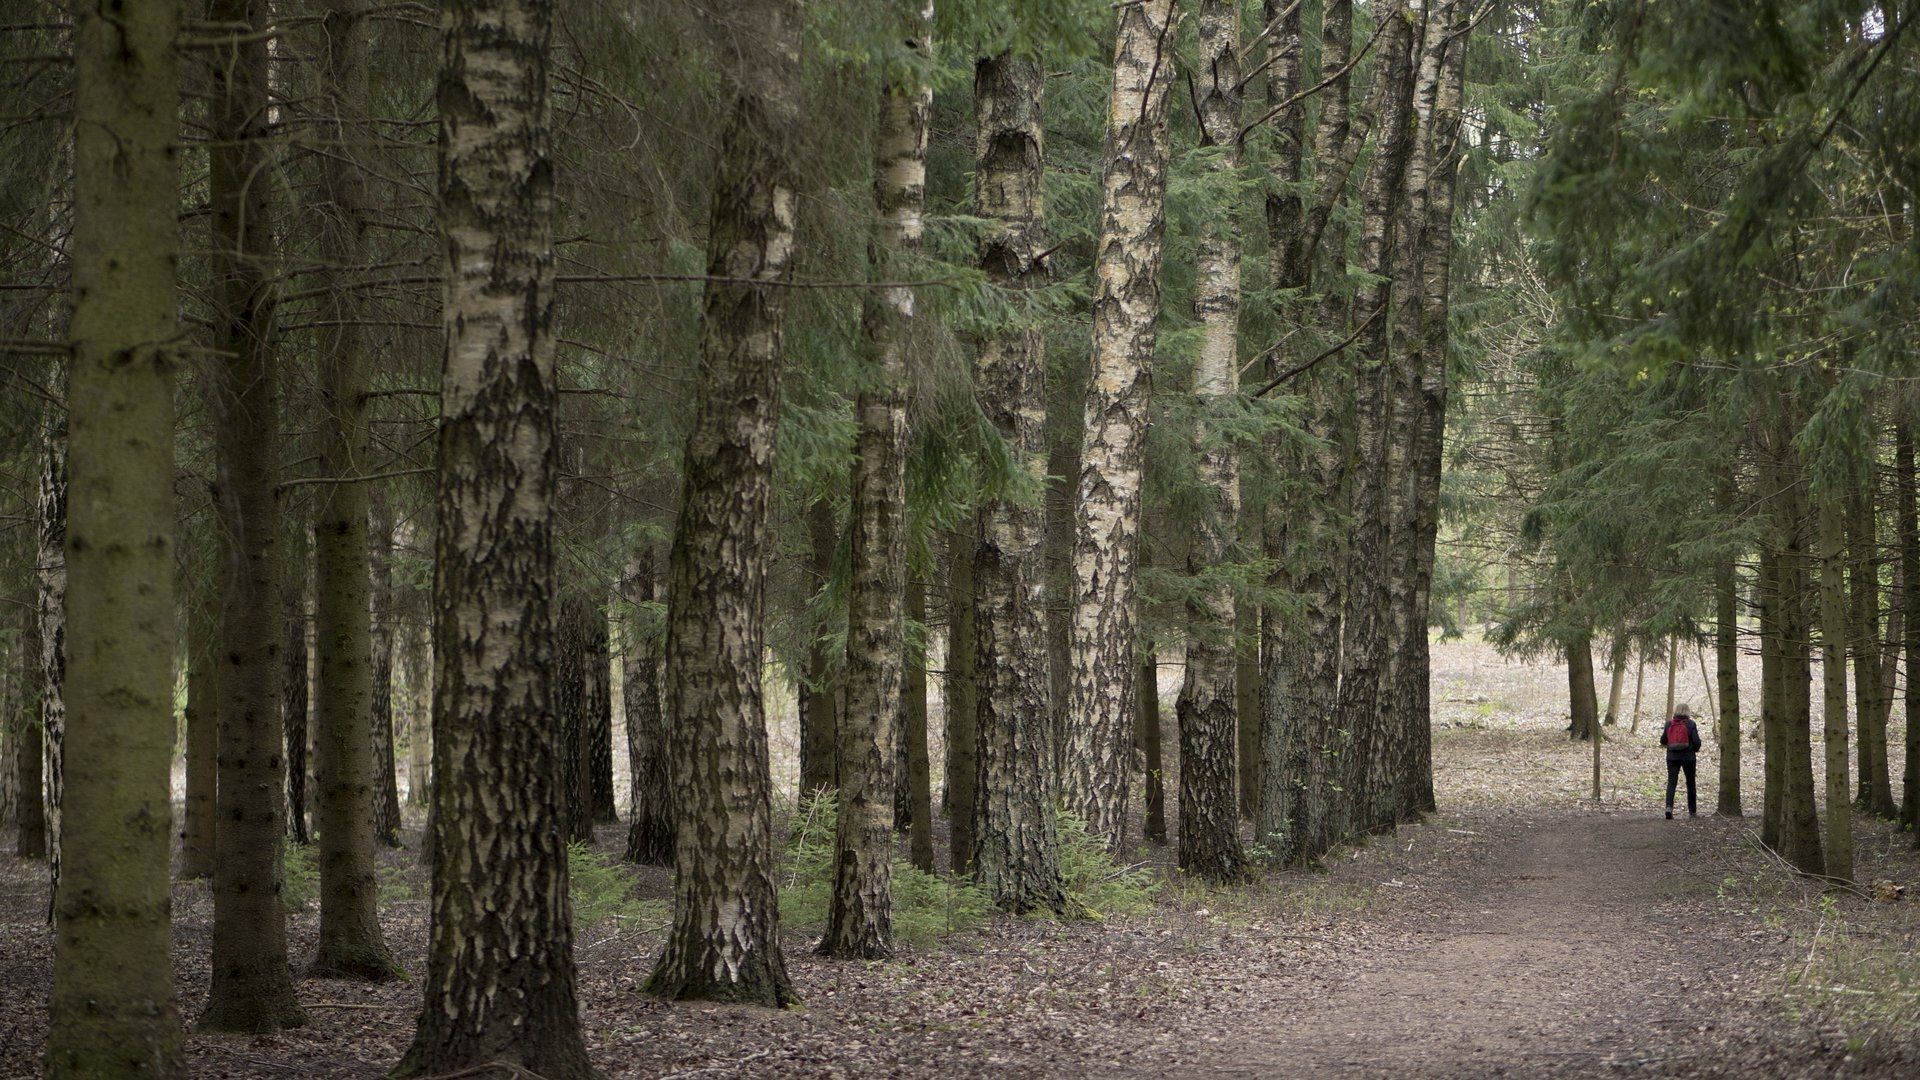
{"x":1522,"y":931}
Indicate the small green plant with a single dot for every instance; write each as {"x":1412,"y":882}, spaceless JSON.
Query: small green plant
{"x":1094,"y":881}
{"x":394,"y":886}
{"x":302,"y":877}
{"x":601,"y":891}
{"x":927,"y":908}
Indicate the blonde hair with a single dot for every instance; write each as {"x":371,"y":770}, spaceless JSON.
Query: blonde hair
{"x":1684,"y":710}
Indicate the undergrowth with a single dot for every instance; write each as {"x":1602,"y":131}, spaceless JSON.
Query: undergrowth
{"x":927,"y":908}
{"x":1097,"y":884}
{"x":601,"y":891}
{"x":302,"y":876}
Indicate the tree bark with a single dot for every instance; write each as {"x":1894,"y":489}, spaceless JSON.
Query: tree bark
{"x":1727,"y":657}
{"x":820,"y":697}
{"x":1015,"y":834}
{"x":1583,"y":702}
{"x":598,"y":746}
{"x":30,"y":821}
{"x":252,"y":988}
{"x":420,"y":669}
{"x":386,"y":781}
{"x":1617,"y":667}
{"x":112,"y":1010}
{"x":650,"y":825}
{"x":1773,"y":692}
{"x":1909,"y":532}
{"x":1369,"y":788}
{"x":914,"y":728}
{"x":295,"y":678}
{"x":959,"y":689}
{"x":1147,"y":720}
{"x":725,"y":944}
{"x":1800,"y":822}
{"x":1126,"y":308}
{"x":203,"y":734}
{"x":1834,"y":619}
{"x":500,"y":969}
{"x":1209,"y":821}
{"x":50,"y":607}
{"x":1863,"y":593}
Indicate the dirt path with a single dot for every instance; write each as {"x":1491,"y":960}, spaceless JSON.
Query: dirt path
{"x":1580,"y":947}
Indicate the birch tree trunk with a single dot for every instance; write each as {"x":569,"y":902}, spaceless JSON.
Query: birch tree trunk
{"x":112,"y":1010}
{"x":1126,"y":308}
{"x":500,"y":969}
{"x":50,"y":609}
{"x":30,"y":824}
{"x":1016,"y":839}
{"x":724,"y":944}
{"x":350,"y":942}
{"x":252,"y":988}
{"x":860,"y":920}
{"x":1370,"y":789}
{"x":1209,"y":822}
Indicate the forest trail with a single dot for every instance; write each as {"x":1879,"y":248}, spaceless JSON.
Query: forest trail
{"x":1569,"y":952}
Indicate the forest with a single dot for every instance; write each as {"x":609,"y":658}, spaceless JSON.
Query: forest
{"x":916,"y":537}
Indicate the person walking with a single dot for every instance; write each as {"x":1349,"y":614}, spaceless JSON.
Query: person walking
{"x":1681,"y":737}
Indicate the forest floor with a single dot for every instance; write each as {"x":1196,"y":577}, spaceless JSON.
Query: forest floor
{"x":1521,"y":931}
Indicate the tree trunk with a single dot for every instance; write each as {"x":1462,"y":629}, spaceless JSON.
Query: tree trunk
{"x":252,"y":989}
{"x":1833,"y":669}
{"x":1617,"y":664}
{"x":725,"y":943}
{"x":1126,"y":308}
{"x":650,"y":825}
{"x":203,"y":734}
{"x":1800,"y":821}
{"x":959,"y":690}
{"x":1863,"y":578}
{"x":1583,"y":702}
{"x":1909,"y":529}
{"x":420,"y":669}
{"x":112,"y":1010}
{"x":1246,"y":682}
{"x":1209,"y":820}
{"x":1016,"y":841}
{"x":50,"y":607}
{"x":1147,"y":721}
{"x":30,"y":824}
{"x":1369,"y":788}
{"x":295,"y":682}
{"x":820,"y":700}
{"x":572,"y":704}
{"x":1673,"y":671}
{"x":500,"y":969}
{"x":1773,"y":696}
{"x":1727,"y":656}
{"x":598,"y":769}
{"x":1639,"y":688}
{"x":349,"y":802}
{"x":386,"y":782}
{"x":914,"y":728}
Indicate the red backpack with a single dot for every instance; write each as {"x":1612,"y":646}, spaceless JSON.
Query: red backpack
{"x":1677,"y":733}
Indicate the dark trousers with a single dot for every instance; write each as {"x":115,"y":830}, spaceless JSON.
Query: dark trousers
{"x":1674,"y":768}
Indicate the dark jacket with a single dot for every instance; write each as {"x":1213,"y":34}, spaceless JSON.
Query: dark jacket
{"x":1683,"y":751}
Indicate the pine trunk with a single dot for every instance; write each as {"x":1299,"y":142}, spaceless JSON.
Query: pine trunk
{"x":1834,"y":619}
{"x":600,"y":717}
{"x":1148,"y":734}
{"x":1863,"y":640}
{"x":820,"y":696}
{"x":1209,"y":820}
{"x":252,"y":989}
{"x":1617,"y":666}
{"x":960,"y":691}
{"x":1727,"y":656}
{"x":650,"y":824}
{"x":420,"y":669}
{"x":203,"y":735}
{"x":913,"y":728}
{"x":1126,"y":308}
{"x":1800,"y":821}
{"x":725,"y":941}
{"x":1015,"y":834}
{"x":386,"y":780}
{"x":1773,"y":692}
{"x":30,"y":824}
{"x":112,"y":1010}
{"x":1583,"y":702}
{"x":295,"y":681}
{"x":500,"y":968}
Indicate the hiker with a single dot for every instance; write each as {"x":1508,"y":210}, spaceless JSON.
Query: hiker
{"x":1682,"y":740}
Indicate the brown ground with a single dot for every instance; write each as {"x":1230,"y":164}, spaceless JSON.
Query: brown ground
{"x":1522,"y":932}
